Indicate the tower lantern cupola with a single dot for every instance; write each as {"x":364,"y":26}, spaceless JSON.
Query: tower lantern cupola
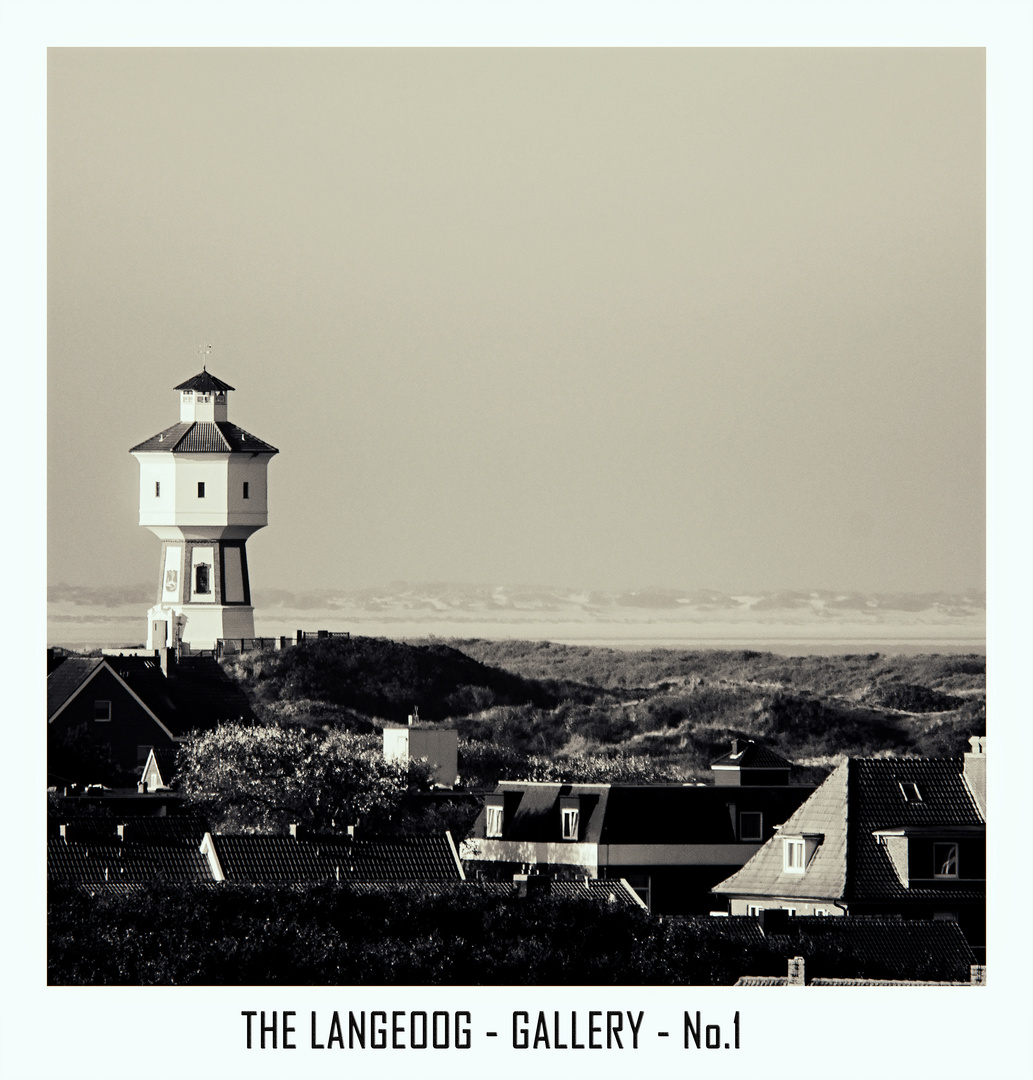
{"x":203,"y":398}
{"x":203,"y":492}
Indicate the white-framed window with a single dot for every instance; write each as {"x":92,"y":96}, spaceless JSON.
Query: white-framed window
{"x":493,"y":825}
{"x":909,"y":789}
{"x":821,"y":911}
{"x":945,"y":860}
{"x":571,"y":817}
{"x":751,"y":825}
{"x":790,"y":911}
{"x":102,"y":710}
{"x":753,"y":910}
{"x":792,"y":856}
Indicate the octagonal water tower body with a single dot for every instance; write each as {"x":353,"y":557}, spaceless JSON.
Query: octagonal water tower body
{"x":203,"y":492}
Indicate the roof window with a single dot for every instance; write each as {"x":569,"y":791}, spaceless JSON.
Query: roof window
{"x":909,"y":789}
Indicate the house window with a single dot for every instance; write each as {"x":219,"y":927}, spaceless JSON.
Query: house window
{"x":102,"y":710}
{"x":201,"y":578}
{"x":200,"y":489}
{"x":157,"y":489}
{"x":570,"y":823}
{"x":494,"y":821}
{"x":945,"y":860}
{"x":821,"y":911}
{"x":792,"y":856}
{"x":753,"y":911}
{"x":910,"y":791}
{"x":246,"y":492}
{"x":790,"y":911}
{"x":751,"y":825}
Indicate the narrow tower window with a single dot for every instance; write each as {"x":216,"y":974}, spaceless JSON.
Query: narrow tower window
{"x":157,"y":489}
{"x":200,"y":489}
{"x":201,"y":584}
{"x":246,"y":492}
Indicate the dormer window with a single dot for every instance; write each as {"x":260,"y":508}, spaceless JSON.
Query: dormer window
{"x":793,"y":856}
{"x":493,"y":806}
{"x":571,"y":816}
{"x":797,"y":851}
{"x":945,"y":860}
{"x":909,"y":789}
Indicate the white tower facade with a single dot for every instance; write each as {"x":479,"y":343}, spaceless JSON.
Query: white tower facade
{"x":203,"y":492}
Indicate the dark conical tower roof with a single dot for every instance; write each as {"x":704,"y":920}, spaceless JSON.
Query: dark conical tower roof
{"x":204,"y":382}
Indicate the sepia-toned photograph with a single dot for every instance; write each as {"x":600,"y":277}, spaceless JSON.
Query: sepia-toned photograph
{"x":516,"y":536}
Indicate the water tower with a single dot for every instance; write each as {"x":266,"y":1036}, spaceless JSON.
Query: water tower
{"x":203,"y":492}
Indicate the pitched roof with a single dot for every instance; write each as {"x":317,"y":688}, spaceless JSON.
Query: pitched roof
{"x":103,"y":862}
{"x":197,"y":694}
{"x":857,"y":799}
{"x":272,"y":860}
{"x":752,"y":756}
{"x":204,"y":382}
{"x":205,"y":437}
{"x":176,"y":829}
{"x":639,"y":813}
{"x":824,"y":812}
{"x":878,"y":800}
{"x":65,"y":679}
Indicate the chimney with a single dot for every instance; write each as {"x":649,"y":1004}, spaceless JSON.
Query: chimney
{"x":295,"y":827}
{"x":774,"y":921}
{"x":975,"y":771}
{"x":795,"y":975}
{"x":63,"y":829}
{"x":121,"y":832}
{"x":532,"y":884}
{"x":735,"y":747}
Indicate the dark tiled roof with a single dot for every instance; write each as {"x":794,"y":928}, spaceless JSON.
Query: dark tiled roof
{"x":655,"y":814}
{"x":640,"y":813}
{"x":115,"y":862}
{"x":752,"y":756}
{"x":197,"y":694}
{"x":63,"y":681}
{"x":877,"y":801}
{"x":902,"y":946}
{"x":205,"y":437}
{"x":205,"y":382}
{"x":176,"y":829}
{"x":860,"y":797}
{"x":271,"y":860}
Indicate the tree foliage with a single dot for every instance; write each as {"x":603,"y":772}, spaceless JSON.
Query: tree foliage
{"x":260,"y":779}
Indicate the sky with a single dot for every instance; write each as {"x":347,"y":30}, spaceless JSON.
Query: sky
{"x":605,"y":318}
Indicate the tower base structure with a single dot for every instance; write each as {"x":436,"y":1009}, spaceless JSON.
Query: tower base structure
{"x":198,"y":626}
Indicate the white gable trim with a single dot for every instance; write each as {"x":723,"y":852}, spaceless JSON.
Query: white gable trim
{"x":125,"y":686}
